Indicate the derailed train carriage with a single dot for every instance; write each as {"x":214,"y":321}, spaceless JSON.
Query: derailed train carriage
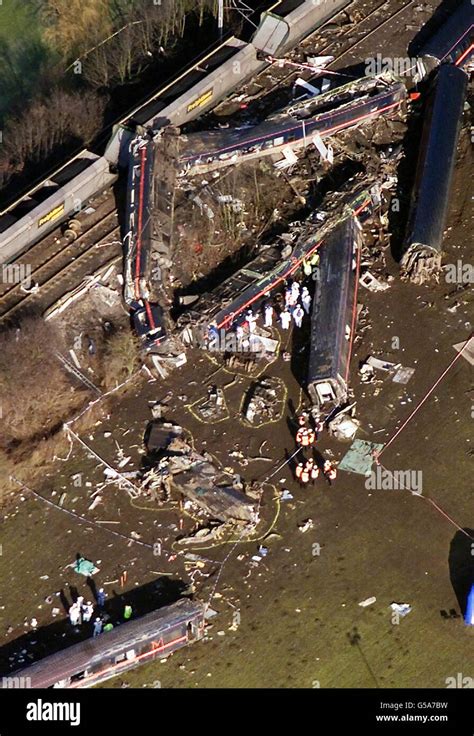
{"x":151,"y":637}
{"x":434,"y":173}
{"x":139,"y":214}
{"x":334,"y":316}
{"x":193,"y":92}
{"x":453,"y":42}
{"x":251,"y":286}
{"x":350,"y":104}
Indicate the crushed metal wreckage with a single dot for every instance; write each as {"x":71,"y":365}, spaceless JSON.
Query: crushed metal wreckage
{"x":263,"y":402}
{"x":213,"y":407}
{"x":178,"y":470}
{"x":215,"y":314}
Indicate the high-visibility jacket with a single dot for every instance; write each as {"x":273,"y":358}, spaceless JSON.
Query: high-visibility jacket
{"x":314,"y":472}
{"x":310,"y":437}
{"x":299,"y":470}
{"x":304,"y":476}
{"x":300,"y":436}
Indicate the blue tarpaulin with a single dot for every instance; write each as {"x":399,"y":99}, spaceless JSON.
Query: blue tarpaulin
{"x":469,"y":617}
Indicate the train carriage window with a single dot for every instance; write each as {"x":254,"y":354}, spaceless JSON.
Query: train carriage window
{"x":62,"y":683}
{"x":131,"y":654}
{"x":278,"y":141}
{"x":120,"y":658}
{"x":78,"y":676}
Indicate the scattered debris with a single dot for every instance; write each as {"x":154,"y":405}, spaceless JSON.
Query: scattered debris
{"x":370,"y":282}
{"x":368,"y":602}
{"x":403,"y":375}
{"x":343,"y":427}
{"x":401,"y":608}
{"x":263,"y":402}
{"x":360,"y":457}
{"x":467,"y":350}
{"x":85,"y":567}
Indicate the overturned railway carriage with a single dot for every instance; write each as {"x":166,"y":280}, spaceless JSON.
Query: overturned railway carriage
{"x":193,"y":92}
{"x":49,"y":203}
{"x":145,"y":639}
{"x":225,"y":307}
{"x":333,"y":318}
{"x":137,"y":241}
{"x":436,"y":161}
{"x":453,"y":42}
{"x":295,"y":127}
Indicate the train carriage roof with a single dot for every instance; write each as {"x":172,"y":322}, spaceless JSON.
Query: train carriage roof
{"x":80,"y":656}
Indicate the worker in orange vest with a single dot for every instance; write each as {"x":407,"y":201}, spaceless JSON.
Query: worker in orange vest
{"x":313,"y":470}
{"x":305,"y":436}
{"x":298,"y":472}
{"x":310,"y":436}
{"x":300,"y":436}
{"x":329,"y":471}
{"x":310,"y":468}
{"x":305,"y":475}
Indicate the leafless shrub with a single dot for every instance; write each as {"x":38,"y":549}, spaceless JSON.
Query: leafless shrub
{"x":120,"y":358}
{"x":36,"y":394}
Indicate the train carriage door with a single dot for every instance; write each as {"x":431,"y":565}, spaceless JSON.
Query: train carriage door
{"x":192,"y":630}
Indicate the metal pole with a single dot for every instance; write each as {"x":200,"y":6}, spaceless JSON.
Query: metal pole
{"x":220,"y":17}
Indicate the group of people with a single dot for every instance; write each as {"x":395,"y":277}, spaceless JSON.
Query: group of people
{"x":308,"y":471}
{"x":81,"y":613}
{"x":297,"y":304}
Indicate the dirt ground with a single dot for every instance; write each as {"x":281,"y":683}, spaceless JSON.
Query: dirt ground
{"x":299,"y":624}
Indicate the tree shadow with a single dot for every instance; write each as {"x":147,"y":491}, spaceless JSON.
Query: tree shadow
{"x":59,"y":635}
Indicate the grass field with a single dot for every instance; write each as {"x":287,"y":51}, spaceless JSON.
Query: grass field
{"x":22,"y":51}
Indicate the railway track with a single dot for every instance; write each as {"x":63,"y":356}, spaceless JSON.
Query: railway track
{"x":279,"y":76}
{"x":58,"y":268}
{"x":52,"y":245}
{"x":61,"y":272}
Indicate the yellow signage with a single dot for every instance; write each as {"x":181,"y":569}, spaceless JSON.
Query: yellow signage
{"x":201,"y":101}
{"x":52,"y":215}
